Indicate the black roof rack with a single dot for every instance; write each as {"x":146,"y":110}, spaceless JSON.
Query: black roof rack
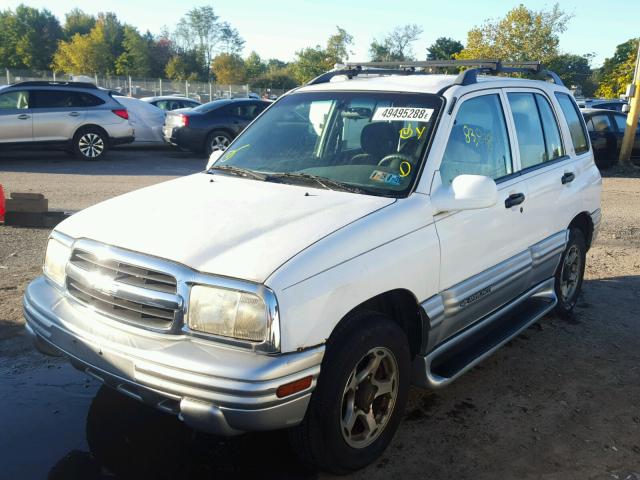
{"x":467,"y":77}
{"x":45,"y":83}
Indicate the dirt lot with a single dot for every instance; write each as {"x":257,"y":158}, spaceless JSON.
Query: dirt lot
{"x":562,"y":401}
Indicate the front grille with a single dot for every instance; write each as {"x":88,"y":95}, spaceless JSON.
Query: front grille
{"x":126,"y":292}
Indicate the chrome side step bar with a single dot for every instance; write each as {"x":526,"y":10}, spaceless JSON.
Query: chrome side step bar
{"x":460,"y":353}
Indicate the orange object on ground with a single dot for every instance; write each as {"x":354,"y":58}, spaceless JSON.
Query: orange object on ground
{"x":3,"y":207}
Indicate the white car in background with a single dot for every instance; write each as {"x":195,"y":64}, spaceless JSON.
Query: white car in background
{"x":171,"y":102}
{"x":147,"y":120}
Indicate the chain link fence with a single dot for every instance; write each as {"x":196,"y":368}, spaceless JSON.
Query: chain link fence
{"x":145,"y":87}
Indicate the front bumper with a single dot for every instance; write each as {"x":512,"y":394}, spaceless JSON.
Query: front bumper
{"x":211,"y":387}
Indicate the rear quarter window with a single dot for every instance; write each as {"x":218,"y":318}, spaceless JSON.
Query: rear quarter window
{"x":575,"y":122}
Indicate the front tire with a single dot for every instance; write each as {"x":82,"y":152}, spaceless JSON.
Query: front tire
{"x":570,"y":273}
{"x":90,"y":144}
{"x":360,"y":398}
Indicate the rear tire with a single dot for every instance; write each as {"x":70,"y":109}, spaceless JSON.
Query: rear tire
{"x":217,"y":140}
{"x":349,"y":422}
{"x":90,"y":144}
{"x":570,"y":273}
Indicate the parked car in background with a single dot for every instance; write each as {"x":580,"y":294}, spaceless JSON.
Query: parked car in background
{"x":73,"y":116}
{"x":606,"y":130}
{"x":147,"y":120}
{"x":615,"y":105}
{"x":168,"y":103}
{"x":211,"y":126}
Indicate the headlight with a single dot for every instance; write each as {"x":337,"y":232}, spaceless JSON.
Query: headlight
{"x":55,"y":261}
{"x":228,"y":313}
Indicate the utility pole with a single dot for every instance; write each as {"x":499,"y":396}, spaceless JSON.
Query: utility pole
{"x":632,"y":116}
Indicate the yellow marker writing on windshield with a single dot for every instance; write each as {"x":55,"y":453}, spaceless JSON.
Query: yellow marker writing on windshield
{"x":420,"y":131}
{"x":406,"y":132}
{"x":405,"y":168}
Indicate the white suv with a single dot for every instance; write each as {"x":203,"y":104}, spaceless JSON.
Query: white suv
{"x":372,"y":229}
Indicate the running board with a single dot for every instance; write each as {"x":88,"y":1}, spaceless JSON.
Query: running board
{"x":466,"y":349}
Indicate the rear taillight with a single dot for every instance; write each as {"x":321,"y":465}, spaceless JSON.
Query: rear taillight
{"x":183,"y":121}
{"x":122,"y":113}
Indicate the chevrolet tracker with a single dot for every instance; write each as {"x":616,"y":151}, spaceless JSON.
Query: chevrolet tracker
{"x":378,"y":227}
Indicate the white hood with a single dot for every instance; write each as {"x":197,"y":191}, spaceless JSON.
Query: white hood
{"x":232,"y":226}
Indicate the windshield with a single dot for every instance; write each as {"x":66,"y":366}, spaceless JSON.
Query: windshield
{"x":371,"y":141}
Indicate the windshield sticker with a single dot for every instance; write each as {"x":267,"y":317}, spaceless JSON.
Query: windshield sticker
{"x":405,"y":168}
{"x":384,"y":177}
{"x":402,"y":113}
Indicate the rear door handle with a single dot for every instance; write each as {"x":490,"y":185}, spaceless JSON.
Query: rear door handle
{"x":514,"y":199}
{"x":24,"y":116}
{"x":74,"y":114}
{"x":568,"y":178}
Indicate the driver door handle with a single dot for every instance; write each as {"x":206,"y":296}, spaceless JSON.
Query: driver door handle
{"x":514,"y":199}
{"x":567,"y":178}
{"x":24,"y":116}
{"x":74,"y":114}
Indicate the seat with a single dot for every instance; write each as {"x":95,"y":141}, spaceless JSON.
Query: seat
{"x":377,"y":140}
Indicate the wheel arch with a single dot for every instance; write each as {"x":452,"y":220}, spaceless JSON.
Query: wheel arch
{"x":217,"y":129}
{"x":91,"y":126}
{"x":403,"y":308}
{"x":583,"y":222}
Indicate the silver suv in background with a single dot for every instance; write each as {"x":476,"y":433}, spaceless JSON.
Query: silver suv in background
{"x":75,"y":116}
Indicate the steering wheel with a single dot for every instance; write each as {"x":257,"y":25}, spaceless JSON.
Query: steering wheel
{"x":392,"y":157}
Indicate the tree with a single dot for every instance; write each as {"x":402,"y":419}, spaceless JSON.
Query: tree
{"x":274,"y":65}
{"x":88,"y":54}
{"x":201,"y":30}
{"x":617,"y":72}
{"x":280,"y":79}
{"x":309,"y":63}
{"x":229,"y":69}
{"x":254,"y":66}
{"x":184,"y":66}
{"x":28,"y":37}
{"x":76,"y":21}
{"x":574,"y":71}
{"x":113,"y":32}
{"x":522,"y":35}
{"x":396,"y":45}
{"x":444,"y":48}
{"x":136,"y":59}
{"x":338,"y":46}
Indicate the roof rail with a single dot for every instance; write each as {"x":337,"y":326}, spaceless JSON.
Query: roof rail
{"x":45,"y":83}
{"x":467,"y":77}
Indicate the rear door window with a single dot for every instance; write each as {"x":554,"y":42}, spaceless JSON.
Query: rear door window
{"x":575,"y":122}
{"x":531,"y":142}
{"x":600,"y":124}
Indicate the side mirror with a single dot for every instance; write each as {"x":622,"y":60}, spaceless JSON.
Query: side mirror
{"x":466,"y":192}
{"x":626,"y":108}
{"x":213,"y":158}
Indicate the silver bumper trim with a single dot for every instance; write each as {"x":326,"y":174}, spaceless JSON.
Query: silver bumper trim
{"x":211,"y":387}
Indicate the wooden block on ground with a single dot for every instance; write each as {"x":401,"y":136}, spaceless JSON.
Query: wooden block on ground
{"x":32,"y":196}
{"x":24,"y":219}
{"x":27,"y":205}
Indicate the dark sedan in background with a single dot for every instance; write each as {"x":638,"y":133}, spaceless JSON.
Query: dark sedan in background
{"x":606,"y":129}
{"x":211,"y":126}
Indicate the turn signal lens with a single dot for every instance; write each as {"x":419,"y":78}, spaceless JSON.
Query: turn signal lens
{"x":294,"y":387}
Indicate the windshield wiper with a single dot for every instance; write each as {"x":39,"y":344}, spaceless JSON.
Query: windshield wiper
{"x":241,"y":172}
{"x":324,"y":182}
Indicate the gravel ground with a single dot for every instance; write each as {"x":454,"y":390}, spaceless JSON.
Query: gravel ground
{"x":559,"y":402}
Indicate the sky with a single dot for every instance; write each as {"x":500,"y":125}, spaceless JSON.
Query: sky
{"x":279,"y":28}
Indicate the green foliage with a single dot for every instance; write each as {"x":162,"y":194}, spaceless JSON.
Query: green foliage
{"x":201,"y":30}
{"x":136,"y":60}
{"x":89,"y":53}
{"x":338,"y":46}
{"x":184,"y":66}
{"x":28,"y":37}
{"x":522,"y":35}
{"x":309,"y":63}
{"x":254,"y":66}
{"x":574,"y":71}
{"x":396,"y":45}
{"x":229,"y":69}
{"x":444,"y":48}
{"x":76,"y":21}
{"x":279,"y":79}
{"x":617,"y":72}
